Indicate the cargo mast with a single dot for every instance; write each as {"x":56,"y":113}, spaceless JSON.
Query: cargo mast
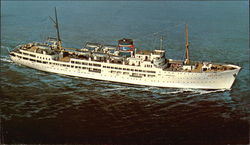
{"x":59,"y":42}
{"x":58,"y":34}
{"x":187,"y":61}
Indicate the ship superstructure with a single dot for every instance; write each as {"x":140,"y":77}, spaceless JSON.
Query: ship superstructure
{"x":124,"y":63}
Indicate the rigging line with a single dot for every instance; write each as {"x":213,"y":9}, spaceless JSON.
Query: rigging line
{"x":7,"y":49}
{"x":52,"y":20}
{"x":44,"y":28}
{"x":159,"y":31}
{"x":154,"y":43}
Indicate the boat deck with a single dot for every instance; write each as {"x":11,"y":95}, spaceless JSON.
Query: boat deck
{"x":65,"y":59}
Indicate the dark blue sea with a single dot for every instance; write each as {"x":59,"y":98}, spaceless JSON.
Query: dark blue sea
{"x":45,"y":108}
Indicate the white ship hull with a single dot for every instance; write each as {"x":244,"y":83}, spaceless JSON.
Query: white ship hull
{"x":162,"y":78}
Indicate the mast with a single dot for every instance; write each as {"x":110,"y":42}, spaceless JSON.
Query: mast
{"x":57,"y":29}
{"x":187,"y":61}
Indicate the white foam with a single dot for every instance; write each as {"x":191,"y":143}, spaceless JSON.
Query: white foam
{"x":202,"y":92}
{"x":115,"y":89}
{"x":6,"y":48}
{"x":5,"y":59}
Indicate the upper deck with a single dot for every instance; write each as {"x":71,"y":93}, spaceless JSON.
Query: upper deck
{"x":111,"y":55}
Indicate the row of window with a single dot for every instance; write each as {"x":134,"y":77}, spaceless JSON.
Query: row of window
{"x":148,"y":65}
{"x":118,"y":68}
{"x":133,"y":74}
{"x":168,"y":73}
{"x":43,"y":58}
{"x":198,"y":78}
{"x":84,"y":63}
{"x":33,"y":60}
{"x":32,"y":55}
{"x":90,"y":69}
{"x":28,"y":54}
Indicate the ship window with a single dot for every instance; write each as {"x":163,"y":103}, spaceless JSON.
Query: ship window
{"x":72,"y":61}
{"x":45,"y":62}
{"x":25,"y":58}
{"x":98,"y":65}
{"x":72,"y":66}
{"x":32,"y":60}
{"x":25,"y":53}
{"x":85,"y":63}
{"x":95,"y":70}
{"x":32,"y":55}
{"x":151,"y":71}
{"x":104,"y":66}
{"x":77,"y":62}
{"x":68,"y":65}
{"x":125,"y":73}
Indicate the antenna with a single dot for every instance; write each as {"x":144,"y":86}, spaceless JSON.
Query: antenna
{"x":187,"y":61}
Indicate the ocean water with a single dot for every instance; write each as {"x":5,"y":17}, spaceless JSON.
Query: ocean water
{"x":39,"y":107}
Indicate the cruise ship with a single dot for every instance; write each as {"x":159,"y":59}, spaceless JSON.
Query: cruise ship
{"x":124,"y":63}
